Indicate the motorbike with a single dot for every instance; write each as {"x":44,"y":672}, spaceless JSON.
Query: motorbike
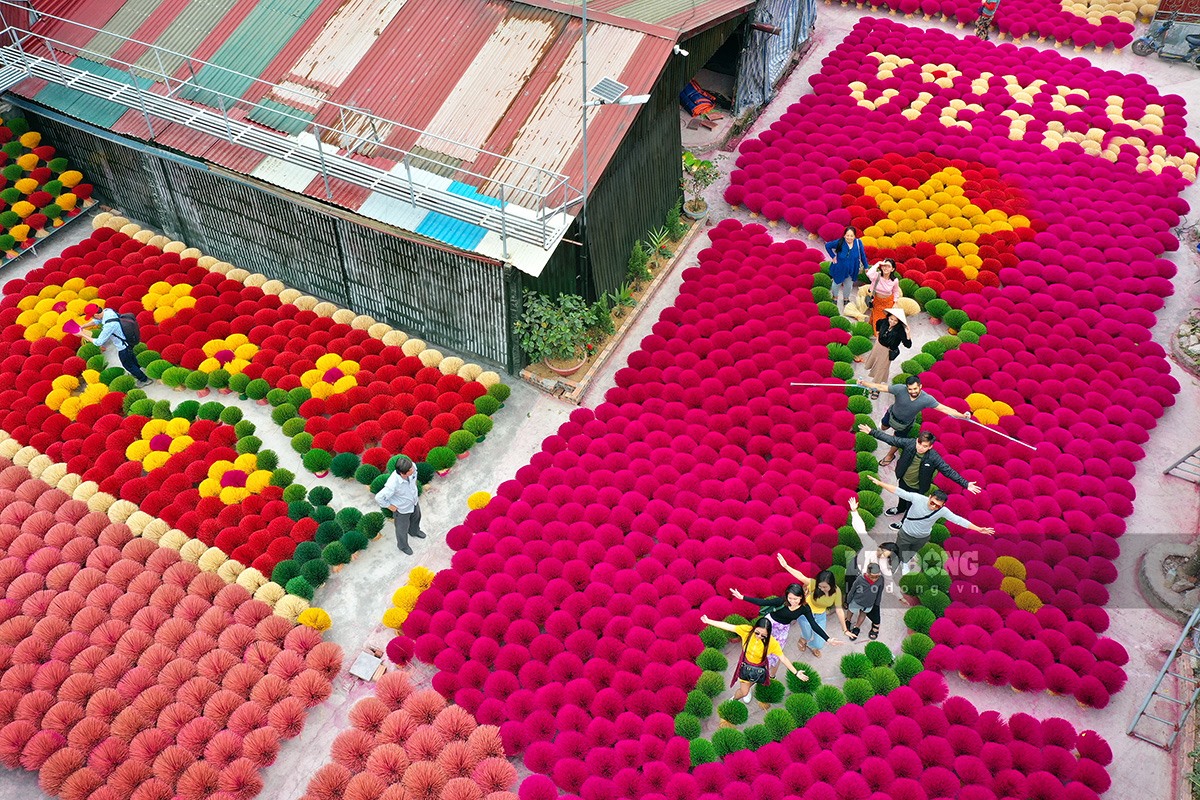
{"x":1155,"y":42}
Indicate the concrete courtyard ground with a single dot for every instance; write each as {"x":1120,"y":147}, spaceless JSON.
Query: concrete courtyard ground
{"x":357,"y":597}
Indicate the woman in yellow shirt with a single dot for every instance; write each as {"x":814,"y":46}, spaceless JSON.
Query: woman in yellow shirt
{"x":823,"y":594}
{"x":757,"y":645}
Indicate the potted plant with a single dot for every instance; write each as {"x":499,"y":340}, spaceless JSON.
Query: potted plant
{"x":698,"y":175}
{"x":554,"y":331}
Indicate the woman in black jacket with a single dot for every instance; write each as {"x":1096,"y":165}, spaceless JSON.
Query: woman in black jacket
{"x":782,"y":612}
{"x":891,"y":334}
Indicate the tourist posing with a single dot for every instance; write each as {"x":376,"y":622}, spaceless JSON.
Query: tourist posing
{"x":782,"y":612}
{"x":917,"y":465}
{"x":865,"y":578}
{"x":847,"y":258}
{"x":400,"y":496}
{"x":823,"y":594}
{"x":917,"y":526}
{"x":910,"y":400}
{"x":891,"y":333}
{"x":758,"y":647}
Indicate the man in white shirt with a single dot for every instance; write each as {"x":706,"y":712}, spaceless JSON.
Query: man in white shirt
{"x":399,"y":495}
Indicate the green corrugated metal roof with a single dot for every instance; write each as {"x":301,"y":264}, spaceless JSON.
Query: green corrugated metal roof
{"x":653,"y":11}
{"x":104,"y":113}
{"x":263,"y":33}
{"x":281,"y":117}
{"x":124,"y":23}
{"x":194,"y":24}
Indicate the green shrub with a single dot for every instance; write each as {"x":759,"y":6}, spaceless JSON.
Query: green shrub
{"x":282,"y":413}
{"x":867,"y":517}
{"x":701,"y":750}
{"x":335,"y":553}
{"x":211,"y":411}
{"x":441,"y":458}
{"x":218,"y":378}
{"x":863,"y":328}
{"x":196,"y":381}
{"x":231,"y":415}
{"x":298,"y":507}
{"x":293,"y":426}
{"x":378,"y":483}
{"x":849,"y":536}
{"x":949,"y":342}
{"x":500,"y":391}
{"x":918,"y":619}
{"x":859,"y":345}
{"x":298,"y":396}
{"x":315,"y":571}
{"x":328,"y":531}
{"x":699,"y":704}
{"x":977,"y":328}
{"x":711,"y":683}
{"x":908,"y":287}
{"x":859,"y":405}
{"x":841,"y":323}
{"x":712,"y":660}
{"x":317,"y":460}
{"x":969,"y":337}
{"x":769,"y":693}
{"x":487,"y":405}
{"x":757,"y":736}
{"x":371,"y":523}
{"x":162,"y":410}
{"x":728,"y":740}
{"x":829,"y":698}
{"x":268,"y":459}
{"x":736,"y":619}
{"x":239,"y":382}
{"x":821,"y":295}
{"x":865,"y":443}
{"x":480,"y":425}
{"x":713,"y":638}
{"x":879,"y":653}
{"x":299,"y":587}
{"x":883,"y":679}
{"x":955,"y":318}
{"x":461,"y":441}
{"x":302,"y":442}
{"x":343,"y":464}
{"x":912,"y":366}
{"x":294,"y":492}
{"x":937,"y":602}
{"x":99,"y":363}
{"x":243,"y":428}
{"x":839,"y":574}
{"x":842,"y":554}
{"x":320,"y":495}
{"x":141,"y":408}
{"x":87,"y":350}
{"x":937,"y":308}
{"x":914,"y":584}
{"x":284,"y":571}
{"x":250,"y":444}
{"x":827,"y":308}
{"x":687,"y":725}
{"x":188,"y":410}
{"x":855,"y":665}
{"x":734,"y":711}
{"x":843,"y":371}
{"x":871,"y":501}
{"x":858,"y":691}
{"x":175,"y":376}
{"x":907,"y":666}
{"x":866,"y":462}
{"x":322,"y":514}
{"x":823,"y":280}
{"x":802,"y":707}
{"x":779,"y":722}
{"x":110,"y":374}
{"x":366,"y":473}
{"x":355,"y":541}
{"x":925,"y":360}
{"x":840,"y":352}
{"x":277,"y":397}
{"x":257,"y":389}
{"x":923,"y":295}
{"x":123,"y":383}
{"x":306,"y":551}
{"x":282,"y":477}
{"x":347,"y":519}
{"x":918,"y":645}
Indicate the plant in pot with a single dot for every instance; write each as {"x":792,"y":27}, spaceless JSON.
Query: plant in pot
{"x":554,"y":331}
{"x":698,"y":175}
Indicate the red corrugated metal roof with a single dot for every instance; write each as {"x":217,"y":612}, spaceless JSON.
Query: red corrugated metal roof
{"x":430,"y":61}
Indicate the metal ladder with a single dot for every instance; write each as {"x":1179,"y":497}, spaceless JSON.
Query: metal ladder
{"x":1185,"y":648}
{"x":1187,"y":467}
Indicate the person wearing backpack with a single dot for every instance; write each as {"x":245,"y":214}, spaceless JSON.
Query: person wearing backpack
{"x":123,"y":330}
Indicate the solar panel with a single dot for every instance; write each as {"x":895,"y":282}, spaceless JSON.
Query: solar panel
{"x":609,"y":90}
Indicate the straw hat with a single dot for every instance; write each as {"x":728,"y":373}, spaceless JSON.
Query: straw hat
{"x":899,"y":314}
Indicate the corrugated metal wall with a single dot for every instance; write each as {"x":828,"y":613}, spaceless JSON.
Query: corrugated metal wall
{"x":448,"y":299}
{"x":641,"y":182}
{"x":766,"y":56}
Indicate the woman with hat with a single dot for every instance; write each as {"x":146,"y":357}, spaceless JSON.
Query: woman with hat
{"x":883,"y":287}
{"x":891,"y":331}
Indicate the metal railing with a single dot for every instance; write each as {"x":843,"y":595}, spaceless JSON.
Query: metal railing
{"x":533,"y":210}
